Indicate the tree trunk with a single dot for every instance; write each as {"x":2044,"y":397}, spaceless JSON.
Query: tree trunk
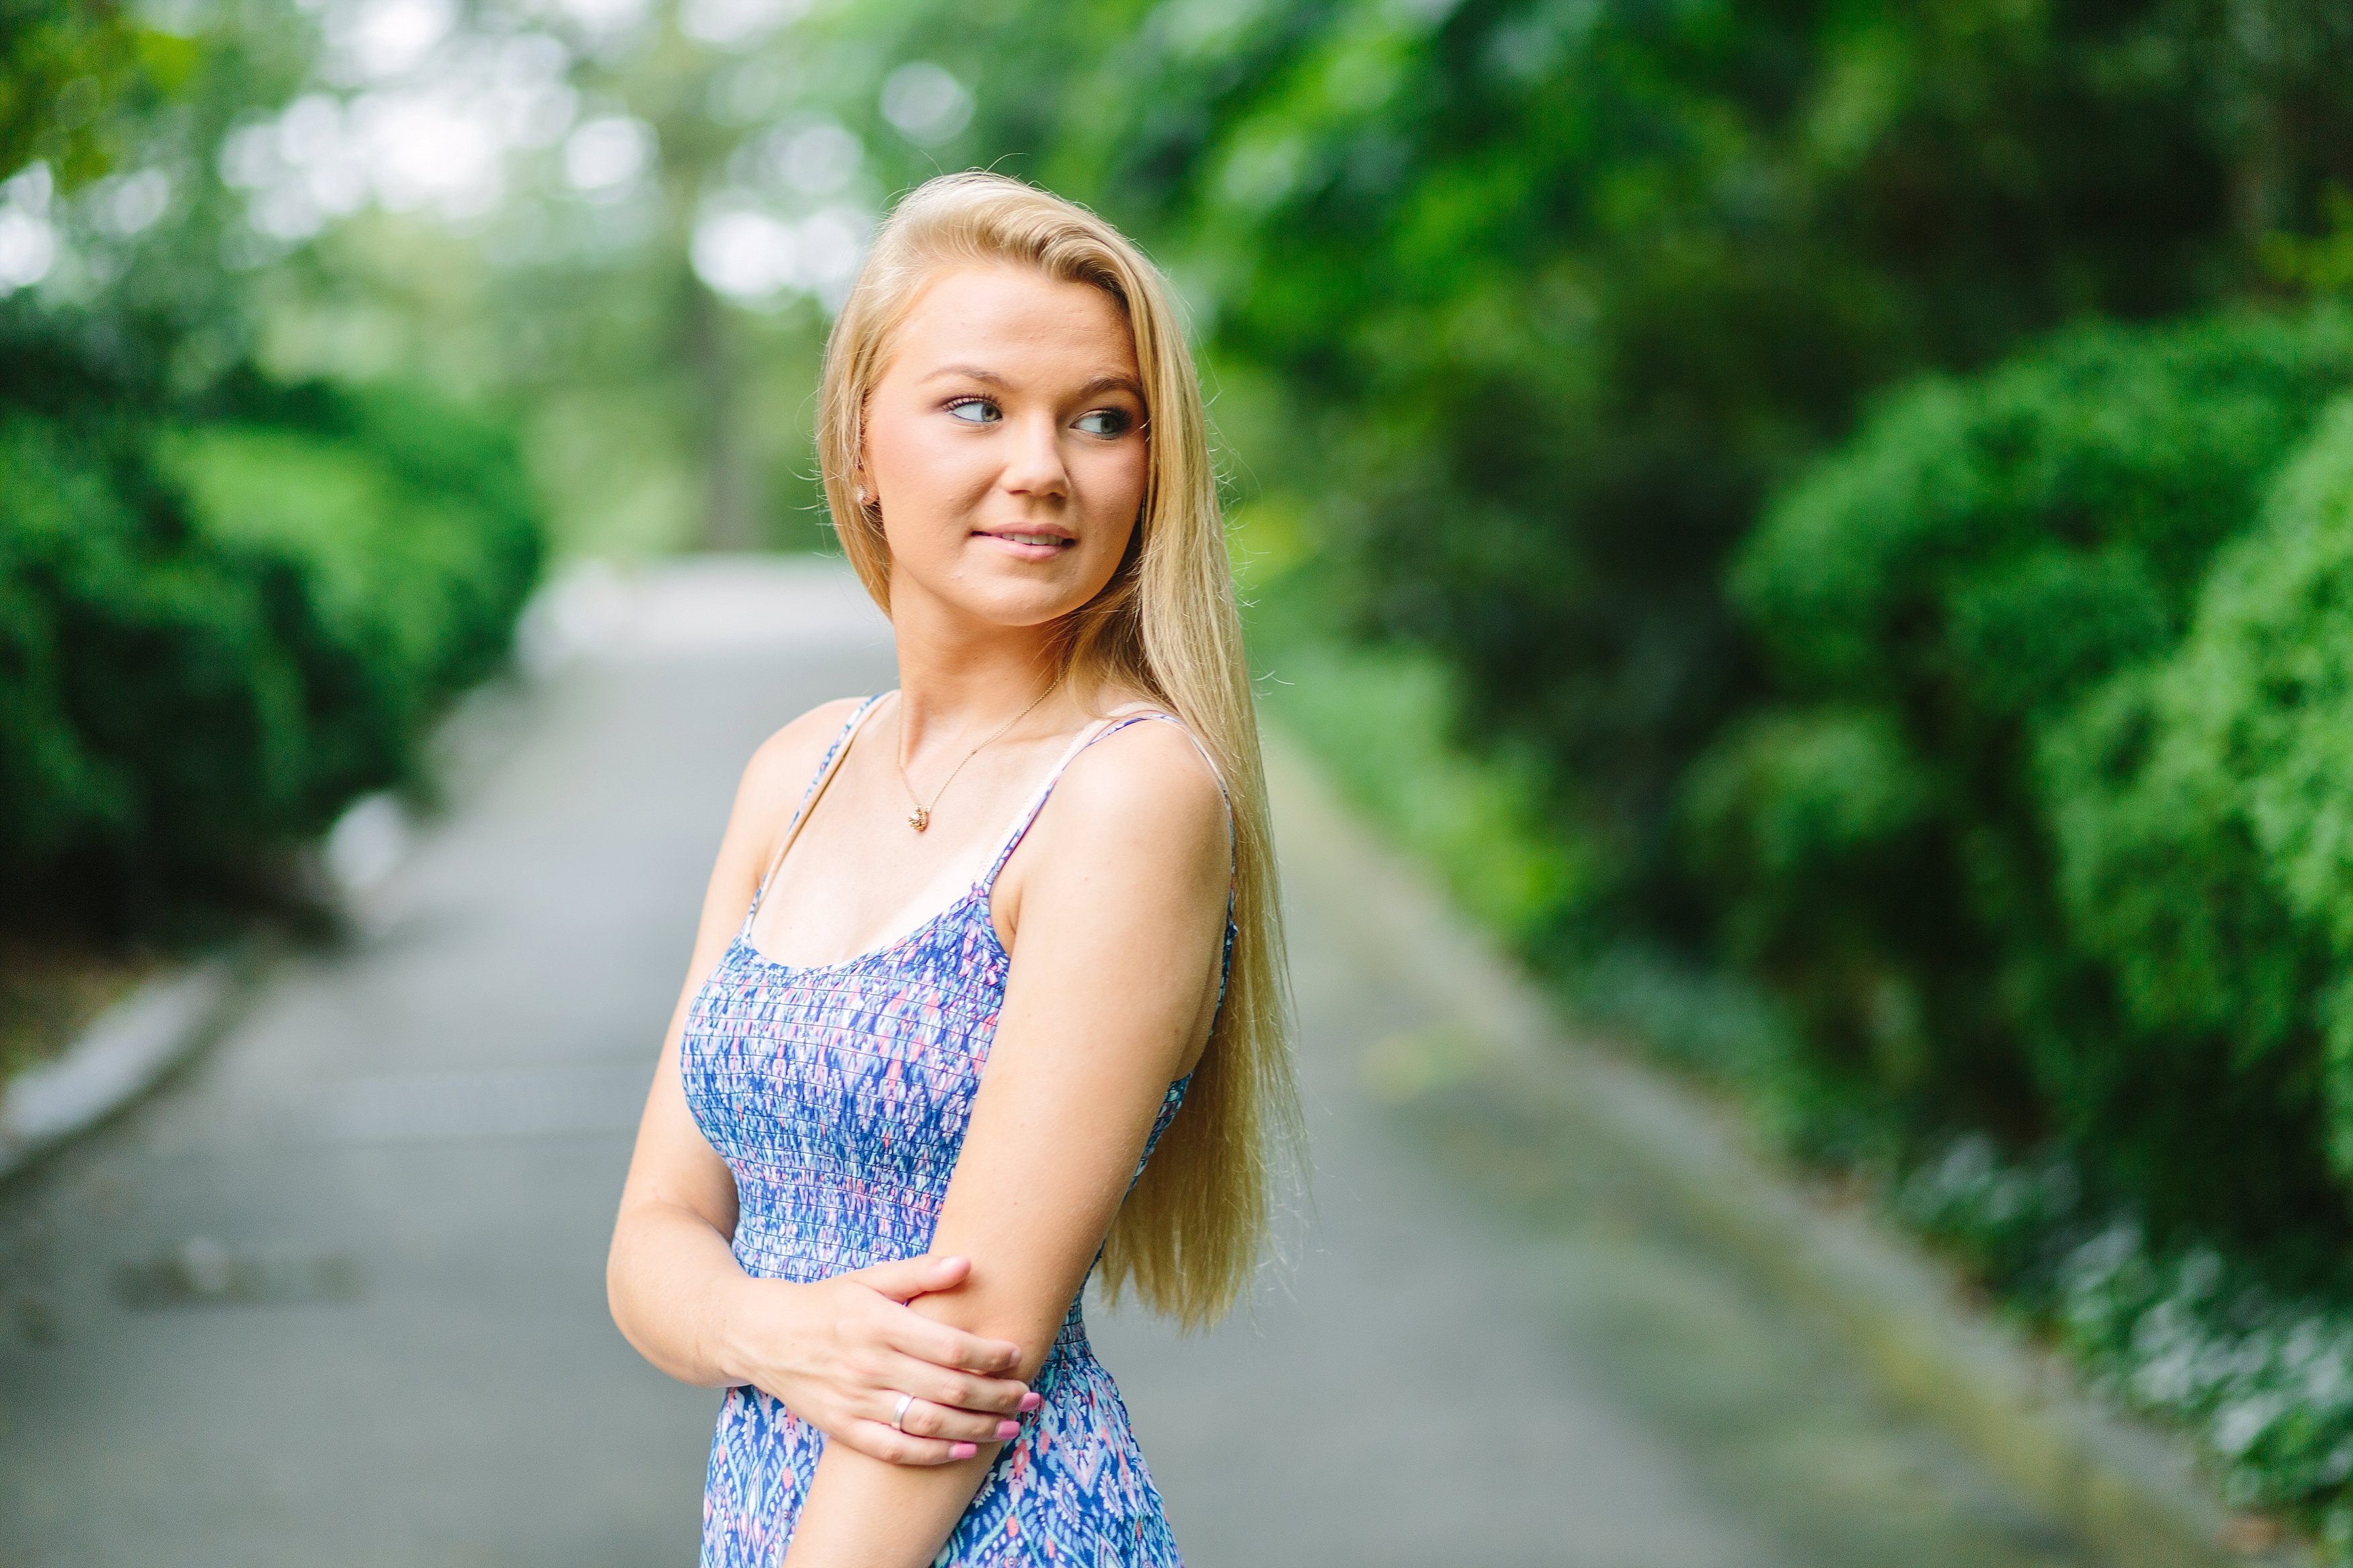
{"x":734,"y":507}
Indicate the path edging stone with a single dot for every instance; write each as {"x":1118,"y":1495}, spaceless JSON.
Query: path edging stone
{"x":2132,"y":1493}
{"x":124,"y":1052}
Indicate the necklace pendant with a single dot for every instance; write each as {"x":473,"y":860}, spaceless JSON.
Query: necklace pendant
{"x":919,"y":819}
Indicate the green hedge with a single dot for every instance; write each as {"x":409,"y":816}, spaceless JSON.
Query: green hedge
{"x":2203,"y":807}
{"x":1944,"y":850}
{"x":214,"y":634}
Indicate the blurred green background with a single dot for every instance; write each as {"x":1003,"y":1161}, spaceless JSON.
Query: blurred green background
{"x":1830,"y":524}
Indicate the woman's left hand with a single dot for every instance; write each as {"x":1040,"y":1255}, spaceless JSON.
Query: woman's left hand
{"x":843,"y":1353}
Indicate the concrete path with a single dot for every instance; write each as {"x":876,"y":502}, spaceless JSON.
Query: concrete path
{"x":335,"y":1295}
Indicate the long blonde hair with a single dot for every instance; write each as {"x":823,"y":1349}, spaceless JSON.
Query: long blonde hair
{"x":1189,"y":1234}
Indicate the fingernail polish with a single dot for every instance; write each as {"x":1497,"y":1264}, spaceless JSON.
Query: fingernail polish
{"x":1008,"y":1430}
{"x":1031,"y":1401}
{"x":963,"y":1451}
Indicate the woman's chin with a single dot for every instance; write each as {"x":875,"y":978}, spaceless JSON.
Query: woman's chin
{"x":1011,"y":599}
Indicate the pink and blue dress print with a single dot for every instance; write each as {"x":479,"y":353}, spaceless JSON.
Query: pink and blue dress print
{"x":838,"y":1095}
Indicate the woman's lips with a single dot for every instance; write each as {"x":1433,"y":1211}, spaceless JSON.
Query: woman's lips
{"x":1029,"y":546}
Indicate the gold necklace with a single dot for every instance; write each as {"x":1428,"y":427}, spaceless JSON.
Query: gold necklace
{"x":920,"y":817}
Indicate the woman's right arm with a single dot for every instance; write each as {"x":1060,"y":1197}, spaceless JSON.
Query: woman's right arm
{"x":839,"y":1352}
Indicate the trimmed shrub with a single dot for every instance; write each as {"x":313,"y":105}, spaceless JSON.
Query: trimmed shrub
{"x":2204,"y":811}
{"x":1813,"y":815}
{"x":414,"y":537}
{"x":210,"y":640}
{"x":1971,"y":579}
{"x":152,"y":705}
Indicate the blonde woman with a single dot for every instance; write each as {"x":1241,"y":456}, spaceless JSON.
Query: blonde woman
{"x":989,"y":985}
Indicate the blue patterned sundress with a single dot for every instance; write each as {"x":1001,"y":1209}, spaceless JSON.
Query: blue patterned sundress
{"x":838,"y":1095}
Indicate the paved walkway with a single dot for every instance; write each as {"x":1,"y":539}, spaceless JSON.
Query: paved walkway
{"x":336,"y":1297}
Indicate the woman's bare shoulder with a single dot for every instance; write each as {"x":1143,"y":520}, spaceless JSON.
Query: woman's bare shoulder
{"x":1149,"y":776}
{"x":788,"y":760}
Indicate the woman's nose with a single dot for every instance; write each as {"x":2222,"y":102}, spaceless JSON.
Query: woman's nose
{"x":1034,"y":466}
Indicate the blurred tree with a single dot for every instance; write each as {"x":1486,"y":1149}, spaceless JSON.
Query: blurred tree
{"x":60,"y":66}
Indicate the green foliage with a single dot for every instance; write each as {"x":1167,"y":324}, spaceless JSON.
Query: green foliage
{"x":1987,"y":547}
{"x":1969,"y":584}
{"x":413,"y":536}
{"x":2261,"y":1378}
{"x":1379,"y":721}
{"x":151,"y":713}
{"x":2204,"y":832}
{"x":61,"y":63}
{"x":1791,"y":802}
{"x":213,"y":639}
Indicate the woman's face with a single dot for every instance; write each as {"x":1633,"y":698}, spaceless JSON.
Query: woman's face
{"x":1005,"y":445}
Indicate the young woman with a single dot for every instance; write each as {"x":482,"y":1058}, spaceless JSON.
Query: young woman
{"x":988,"y":986}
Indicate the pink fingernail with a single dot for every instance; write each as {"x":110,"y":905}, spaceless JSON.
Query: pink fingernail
{"x":963,"y":1451}
{"x":1031,"y":1401}
{"x":1007,"y":1430}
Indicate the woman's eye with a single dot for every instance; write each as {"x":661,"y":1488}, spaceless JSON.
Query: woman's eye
{"x":1104,"y":422}
{"x":975,"y":411}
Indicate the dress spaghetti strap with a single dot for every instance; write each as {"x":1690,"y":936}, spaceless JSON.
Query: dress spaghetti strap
{"x":1111,"y":724}
{"x":826,"y":767}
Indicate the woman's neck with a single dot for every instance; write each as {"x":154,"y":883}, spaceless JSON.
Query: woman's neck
{"x":957,"y":676}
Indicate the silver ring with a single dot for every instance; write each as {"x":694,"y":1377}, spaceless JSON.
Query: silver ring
{"x":899,"y":1416}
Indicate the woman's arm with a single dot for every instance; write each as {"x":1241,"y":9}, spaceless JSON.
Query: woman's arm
{"x":1120,"y":914}
{"x":838,"y":1352}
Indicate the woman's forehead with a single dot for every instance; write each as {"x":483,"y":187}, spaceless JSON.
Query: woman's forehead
{"x":1005,"y":318}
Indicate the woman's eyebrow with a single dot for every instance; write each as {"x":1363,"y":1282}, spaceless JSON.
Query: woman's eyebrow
{"x":1108,"y":383}
{"x":967,"y":372}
